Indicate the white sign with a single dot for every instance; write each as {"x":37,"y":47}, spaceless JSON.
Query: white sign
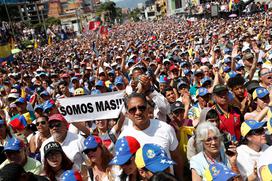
{"x":86,"y":108}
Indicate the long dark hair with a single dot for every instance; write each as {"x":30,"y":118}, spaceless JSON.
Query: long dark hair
{"x":66,"y":164}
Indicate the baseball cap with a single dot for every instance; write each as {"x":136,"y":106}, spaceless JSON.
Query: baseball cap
{"x":47,"y":105}
{"x":238,"y":66}
{"x":44,"y":93}
{"x":119,"y":80}
{"x":57,"y":117}
{"x":266,"y":172}
{"x":95,"y":92}
{"x":71,"y":175}
{"x":111,"y":72}
{"x":177,"y":106}
{"x":163,"y":79}
{"x":227,"y":60}
{"x":14,"y":144}
{"x":198,"y":71}
{"x":91,"y":142}
{"x":182,"y":84}
{"x":125,"y":147}
{"x":187,"y":71}
{"x":79,"y":92}
{"x":260,"y":92}
{"x":205,"y":79}
{"x":153,"y":158}
{"x":249,"y":125}
{"x":173,"y":67}
{"x":20,"y":100}
{"x":245,"y":48}
{"x":218,"y":172}
{"x":248,"y":56}
{"x":202,"y":91}
{"x":219,"y":88}
{"x":216,"y":48}
{"x":165,"y":60}
{"x":2,"y":122}
{"x":13,"y":95}
{"x":52,"y":146}
{"x":252,"y":85}
{"x":74,"y":78}
{"x":100,"y":83}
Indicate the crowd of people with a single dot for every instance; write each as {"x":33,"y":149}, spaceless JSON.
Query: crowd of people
{"x":197,"y":104}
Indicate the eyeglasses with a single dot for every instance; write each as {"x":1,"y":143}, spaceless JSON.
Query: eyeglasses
{"x":90,"y":150}
{"x":133,"y":110}
{"x":56,"y":124}
{"x":257,"y":132}
{"x":209,"y":140}
{"x":42,"y":123}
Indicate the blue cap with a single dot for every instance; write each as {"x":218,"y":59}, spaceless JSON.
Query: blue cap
{"x":260,"y":92}
{"x":205,"y":79}
{"x":238,"y":66}
{"x":227,"y":60}
{"x":152,"y":157}
{"x":218,"y":172}
{"x":2,"y":122}
{"x":182,"y":83}
{"x":226,"y":68}
{"x":91,"y":142}
{"x":184,"y":63}
{"x":197,"y":60}
{"x":14,"y":144}
{"x":125,"y":147}
{"x":130,"y":61}
{"x":187,"y":71}
{"x":48,"y":105}
{"x":202,"y":91}
{"x":163,"y":79}
{"x":95,"y":92}
{"x":111,"y":72}
{"x":249,"y":125}
{"x":231,"y":74}
{"x":119,"y":80}
{"x":227,"y":50}
{"x":45,"y":93}
{"x":38,"y":106}
{"x":20,"y":100}
{"x":100,"y":83}
{"x":71,"y":175}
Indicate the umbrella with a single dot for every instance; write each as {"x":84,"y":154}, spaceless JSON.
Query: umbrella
{"x":16,"y":50}
{"x":233,"y":16}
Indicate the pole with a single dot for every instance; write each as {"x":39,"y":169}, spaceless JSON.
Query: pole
{"x":8,"y":17}
{"x":44,"y":27}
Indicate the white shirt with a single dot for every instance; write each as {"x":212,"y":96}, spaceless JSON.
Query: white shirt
{"x":72,"y":146}
{"x":265,"y":158}
{"x":158,"y":132}
{"x":246,"y":159}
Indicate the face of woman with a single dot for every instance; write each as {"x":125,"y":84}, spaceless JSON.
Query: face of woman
{"x":54,"y":159}
{"x":257,"y":137}
{"x":212,"y":143}
{"x":129,"y":167}
{"x":42,"y":124}
{"x":95,"y":155}
{"x":101,"y":124}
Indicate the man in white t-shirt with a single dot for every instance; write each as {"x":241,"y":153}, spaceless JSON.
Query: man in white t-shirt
{"x":72,"y":144}
{"x":151,"y":131}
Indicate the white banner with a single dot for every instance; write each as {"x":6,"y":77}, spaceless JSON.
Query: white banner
{"x":86,"y":108}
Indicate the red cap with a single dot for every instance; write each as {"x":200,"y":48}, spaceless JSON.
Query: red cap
{"x":58,"y":117}
{"x":65,"y":75}
{"x":173,"y":67}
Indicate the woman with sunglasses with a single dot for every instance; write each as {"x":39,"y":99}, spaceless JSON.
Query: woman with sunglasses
{"x":55,"y":161}
{"x":41,"y":135}
{"x":208,"y":140}
{"x":253,"y":145}
{"x":98,"y":161}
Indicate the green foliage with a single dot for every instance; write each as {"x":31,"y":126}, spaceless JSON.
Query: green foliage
{"x":109,"y":10}
{"x":135,"y":14}
{"x":48,"y":22}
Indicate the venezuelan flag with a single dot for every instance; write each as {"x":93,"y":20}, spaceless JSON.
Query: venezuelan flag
{"x":5,"y":53}
{"x":28,"y":117}
{"x":16,"y":123}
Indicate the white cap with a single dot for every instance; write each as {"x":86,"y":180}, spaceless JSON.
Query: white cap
{"x":245,"y":48}
{"x":100,"y":70}
{"x":165,"y":60}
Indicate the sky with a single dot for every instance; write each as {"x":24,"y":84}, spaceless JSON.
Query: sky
{"x":128,"y":3}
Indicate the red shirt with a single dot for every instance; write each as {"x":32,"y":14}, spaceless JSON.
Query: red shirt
{"x":230,"y":122}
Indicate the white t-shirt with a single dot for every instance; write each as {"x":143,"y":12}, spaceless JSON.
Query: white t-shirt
{"x":265,"y":158}
{"x":72,"y":146}
{"x":158,"y":132}
{"x":246,"y":158}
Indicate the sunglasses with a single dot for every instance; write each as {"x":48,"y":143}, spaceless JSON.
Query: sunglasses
{"x":257,"y":132}
{"x":56,"y":124}
{"x":41,"y":123}
{"x":90,"y":150}
{"x":133,"y":110}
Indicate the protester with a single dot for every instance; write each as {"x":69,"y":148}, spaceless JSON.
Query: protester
{"x":55,"y":161}
{"x":16,"y":152}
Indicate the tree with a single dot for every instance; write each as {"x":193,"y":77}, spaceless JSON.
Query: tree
{"x":109,"y":10}
{"x":135,"y":14}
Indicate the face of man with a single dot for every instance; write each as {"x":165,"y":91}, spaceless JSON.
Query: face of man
{"x":221,"y":98}
{"x":239,"y":91}
{"x":170,"y":96}
{"x":138,"y":113}
{"x":203,"y":100}
{"x":58,"y":129}
{"x":18,"y":157}
{"x":266,"y":77}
